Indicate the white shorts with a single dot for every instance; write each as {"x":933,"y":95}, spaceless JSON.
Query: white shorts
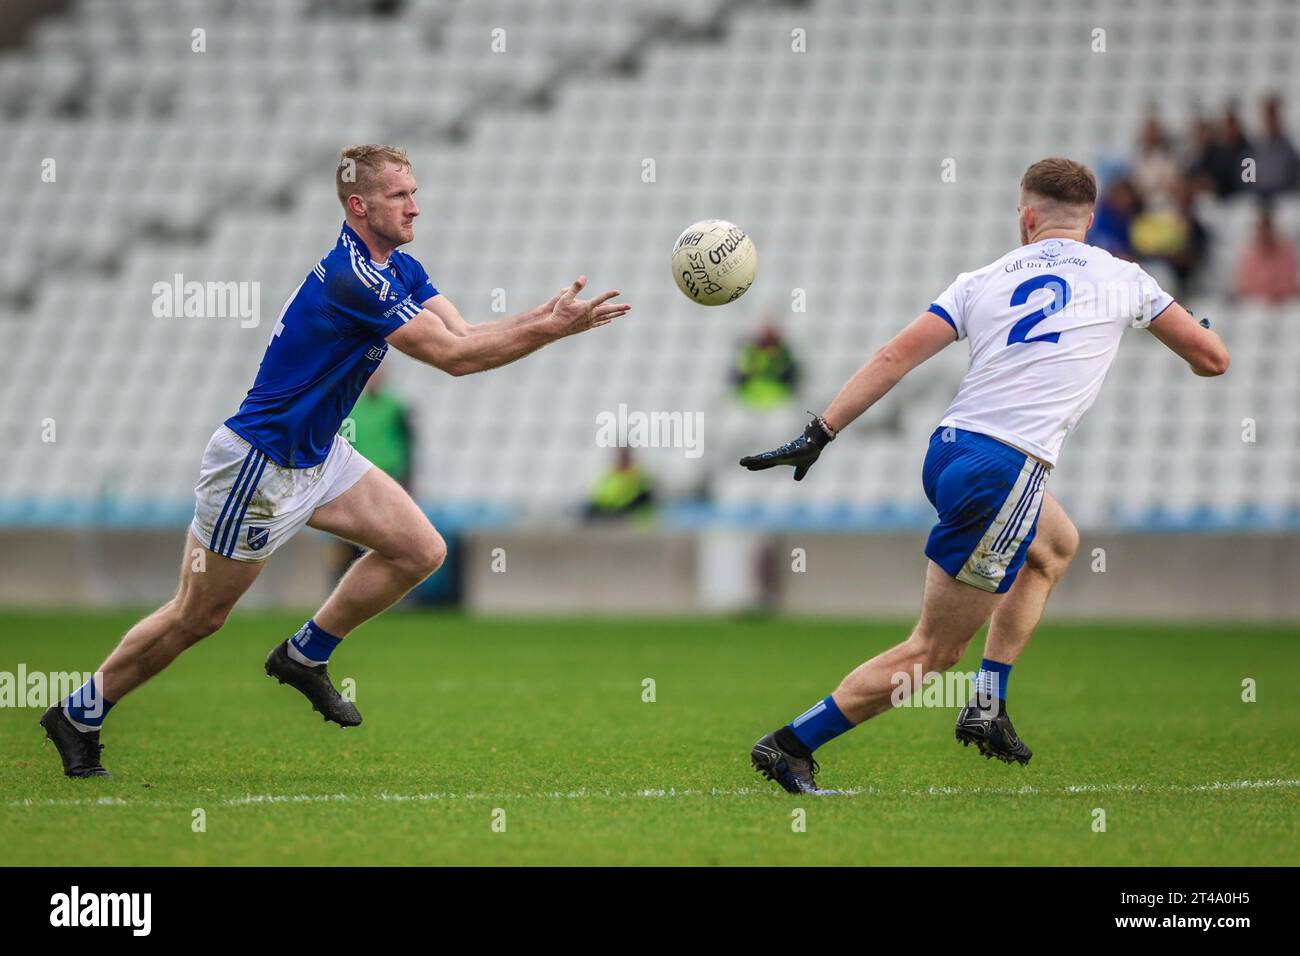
{"x":246,"y":506}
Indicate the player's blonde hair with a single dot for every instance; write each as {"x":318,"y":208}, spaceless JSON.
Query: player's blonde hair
{"x":359,"y":168}
{"x":1061,"y":187}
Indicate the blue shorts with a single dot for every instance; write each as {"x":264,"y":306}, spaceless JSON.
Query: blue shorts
{"x":988,"y":496}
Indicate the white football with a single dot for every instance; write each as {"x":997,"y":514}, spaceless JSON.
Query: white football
{"x":714,"y":262}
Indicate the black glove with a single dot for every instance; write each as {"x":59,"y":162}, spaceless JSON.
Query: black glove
{"x":802,"y":452}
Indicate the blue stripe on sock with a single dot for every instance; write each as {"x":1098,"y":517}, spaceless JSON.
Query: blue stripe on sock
{"x":820,"y":723}
{"x":315,"y":644}
{"x":991,"y":674}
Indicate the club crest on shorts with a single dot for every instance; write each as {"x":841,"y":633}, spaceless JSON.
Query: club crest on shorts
{"x":257,"y":538}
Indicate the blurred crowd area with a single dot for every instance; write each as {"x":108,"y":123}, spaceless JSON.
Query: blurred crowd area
{"x":1148,"y":208}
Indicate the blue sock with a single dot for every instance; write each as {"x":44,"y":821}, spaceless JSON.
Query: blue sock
{"x":87,"y":707}
{"x":820,"y":723}
{"x":991,"y":682}
{"x":313,"y":644}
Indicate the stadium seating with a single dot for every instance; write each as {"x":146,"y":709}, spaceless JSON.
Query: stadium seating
{"x":217,"y":166}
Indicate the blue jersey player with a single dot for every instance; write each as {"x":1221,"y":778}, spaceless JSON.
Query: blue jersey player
{"x":1043,"y":323}
{"x":279,"y":463}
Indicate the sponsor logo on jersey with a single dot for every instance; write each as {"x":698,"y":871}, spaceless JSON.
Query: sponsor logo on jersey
{"x":393,"y":308}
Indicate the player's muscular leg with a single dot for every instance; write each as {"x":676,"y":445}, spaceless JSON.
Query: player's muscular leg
{"x":210,"y":586}
{"x":1050,"y":553}
{"x":378,"y":514}
{"x":951,"y":613}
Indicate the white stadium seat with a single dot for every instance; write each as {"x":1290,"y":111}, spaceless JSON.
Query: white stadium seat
{"x":217,"y":165}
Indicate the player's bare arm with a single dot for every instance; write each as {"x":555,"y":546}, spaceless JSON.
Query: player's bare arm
{"x":428,"y":338}
{"x":921,"y":340}
{"x":925,"y":337}
{"x":456,"y":324}
{"x":1200,"y":347}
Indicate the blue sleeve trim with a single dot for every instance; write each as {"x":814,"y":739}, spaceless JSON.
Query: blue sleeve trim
{"x":942,"y":313}
{"x":1162,"y":311}
{"x":392,"y":327}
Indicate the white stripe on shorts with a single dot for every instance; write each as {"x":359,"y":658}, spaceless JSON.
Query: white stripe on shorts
{"x":987,"y":565}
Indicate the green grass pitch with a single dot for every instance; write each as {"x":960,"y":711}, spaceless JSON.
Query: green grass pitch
{"x":544,"y":720}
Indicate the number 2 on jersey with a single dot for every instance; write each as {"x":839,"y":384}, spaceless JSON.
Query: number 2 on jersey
{"x":1060,"y":296}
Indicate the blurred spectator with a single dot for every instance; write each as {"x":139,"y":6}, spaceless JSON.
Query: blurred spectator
{"x":381,"y":429}
{"x":1155,"y":173}
{"x":1277,"y":166}
{"x":1197,"y":158}
{"x":1173,"y":235}
{"x":623,"y":491}
{"x":1158,"y":233}
{"x":1268,"y":268}
{"x":1222,"y":160}
{"x":766,"y":373}
{"x":1112,"y":228}
{"x":1188,"y":260}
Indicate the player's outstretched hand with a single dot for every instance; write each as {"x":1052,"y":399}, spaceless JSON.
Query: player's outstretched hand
{"x":802,"y":453}
{"x":573,"y":315}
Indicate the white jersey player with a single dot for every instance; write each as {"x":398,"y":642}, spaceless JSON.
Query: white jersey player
{"x":1044,"y":323}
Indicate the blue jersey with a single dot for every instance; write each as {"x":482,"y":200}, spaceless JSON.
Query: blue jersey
{"x":328,"y":340}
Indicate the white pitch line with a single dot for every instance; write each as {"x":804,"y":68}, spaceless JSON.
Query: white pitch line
{"x":384,"y":796}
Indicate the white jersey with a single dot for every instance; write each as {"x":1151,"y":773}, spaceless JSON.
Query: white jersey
{"x":1044,"y":324}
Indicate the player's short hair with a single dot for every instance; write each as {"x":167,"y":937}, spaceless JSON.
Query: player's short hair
{"x":360,"y":166}
{"x":1060,"y":180}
